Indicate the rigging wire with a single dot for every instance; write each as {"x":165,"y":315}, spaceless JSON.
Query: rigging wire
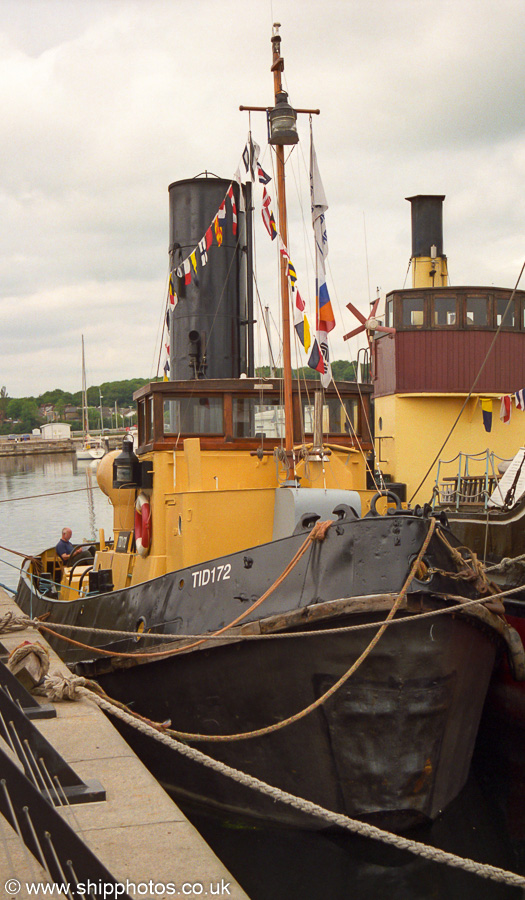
{"x":164,"y":325}
{"x":366,"y":257}
{"x":161,"y":326}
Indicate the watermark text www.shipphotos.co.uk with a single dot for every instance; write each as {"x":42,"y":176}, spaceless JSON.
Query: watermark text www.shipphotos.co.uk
{"x":114,"y":890}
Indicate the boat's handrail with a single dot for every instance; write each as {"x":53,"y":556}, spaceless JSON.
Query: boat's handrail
{"x":474,"y":456}
{"x":463,"y":488}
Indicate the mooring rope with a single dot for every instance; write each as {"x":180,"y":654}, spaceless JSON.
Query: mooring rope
{"x":505,"y":563}
{"x":10,"y":622}
{"x":43,"y":497}
{"x":301,"y":714}
{"x":459,"y":604}
{"x":58,"y":687}
{"x":318,"y":533}
{"x":296,"y":717}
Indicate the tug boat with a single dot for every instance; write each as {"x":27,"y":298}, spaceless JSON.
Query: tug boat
{"x":218,"y":543}
{"x":453,"y":369}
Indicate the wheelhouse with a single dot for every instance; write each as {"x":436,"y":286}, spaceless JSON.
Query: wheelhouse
{"x":248,"y":414}
{"x":442,"y":337}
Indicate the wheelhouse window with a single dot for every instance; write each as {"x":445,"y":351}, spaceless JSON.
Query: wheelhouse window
{"x":445,"y":312}
{"x":338,"y":417}
{"x":476,"y":312}
{"x":253,"y":417}
{"x":504,"y":316}
{"x":413,"y":312}
{"x":193,"y":415}
{"x":145,"y":420}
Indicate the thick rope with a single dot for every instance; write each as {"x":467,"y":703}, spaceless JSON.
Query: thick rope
{"x":301,"y":714}
{"x":277,"y":726}
{"x":505,"y":563}
{"x":10,"y":622}
{"x":318,"y":533}
{"x":77,"y":687}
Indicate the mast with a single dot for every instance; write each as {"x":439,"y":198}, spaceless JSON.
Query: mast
{"x":283,"y":132}
{"x":85,"y":423}
{"x":277,"y":68}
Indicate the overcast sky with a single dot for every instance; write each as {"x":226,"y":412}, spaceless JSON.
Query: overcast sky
{"x":106,"y":102}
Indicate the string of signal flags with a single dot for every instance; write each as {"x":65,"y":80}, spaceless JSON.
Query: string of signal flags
{"x":188,"y":269}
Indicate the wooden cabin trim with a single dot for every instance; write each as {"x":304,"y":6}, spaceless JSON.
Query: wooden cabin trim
{"x":151,"y":399}
{"x":394,"y":308}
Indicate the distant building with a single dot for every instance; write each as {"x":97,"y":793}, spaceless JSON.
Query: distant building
{"x":47,"y":412}
{"x":56,"y":431}
{"x":72,"y":413}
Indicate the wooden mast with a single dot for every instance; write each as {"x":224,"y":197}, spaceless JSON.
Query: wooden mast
{"x":277,"y":68}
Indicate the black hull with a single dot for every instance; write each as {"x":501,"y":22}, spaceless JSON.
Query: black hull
{"x":393,"y":745}
{"x":500,"y":750}
{"x":503,"y":538}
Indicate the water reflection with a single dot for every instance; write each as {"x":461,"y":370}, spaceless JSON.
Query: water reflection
{"x":286,"y":865}
{"x":39,"y":495}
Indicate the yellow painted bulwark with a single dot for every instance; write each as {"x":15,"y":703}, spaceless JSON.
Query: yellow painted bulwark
{"x":206,"y":504}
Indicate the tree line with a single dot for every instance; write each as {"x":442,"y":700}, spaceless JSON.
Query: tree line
{"x":342,"y":370}
{"x":21,"y":414}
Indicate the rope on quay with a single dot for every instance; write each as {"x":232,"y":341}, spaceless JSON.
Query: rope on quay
{"x":73,"y":687}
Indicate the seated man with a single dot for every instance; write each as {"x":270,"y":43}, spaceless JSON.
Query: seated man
{"x":64,"y":548}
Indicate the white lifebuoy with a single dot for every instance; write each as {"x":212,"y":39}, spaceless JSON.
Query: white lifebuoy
{"x":142,"y":525}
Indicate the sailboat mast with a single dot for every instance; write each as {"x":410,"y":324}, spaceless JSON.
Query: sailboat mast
{"x":85,"y":423}
{"x":277,"y":68}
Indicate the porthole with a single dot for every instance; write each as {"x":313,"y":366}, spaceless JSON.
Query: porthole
{"x":424,"y":573}
{"x":140,"y":627}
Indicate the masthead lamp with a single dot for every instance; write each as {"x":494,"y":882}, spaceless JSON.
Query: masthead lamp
{"x":283,"y":118}
{"x":126,"y":467}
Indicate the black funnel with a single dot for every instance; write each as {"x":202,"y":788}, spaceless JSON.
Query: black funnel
{"x":208,"y":332}
{"x":427,"y":224}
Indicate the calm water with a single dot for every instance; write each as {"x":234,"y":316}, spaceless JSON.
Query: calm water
{"x":29,"y":523}
{"x":274,"y":865}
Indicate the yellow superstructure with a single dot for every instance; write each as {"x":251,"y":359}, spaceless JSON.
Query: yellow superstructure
{"x":455,"y":351}
{"x":208,"y":497}
{"x":411,"y":429}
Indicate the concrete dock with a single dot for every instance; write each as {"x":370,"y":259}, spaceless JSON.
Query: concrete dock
{"x":138,"y":832}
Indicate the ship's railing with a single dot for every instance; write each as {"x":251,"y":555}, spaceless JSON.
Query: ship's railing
{"x":474,"y":480}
